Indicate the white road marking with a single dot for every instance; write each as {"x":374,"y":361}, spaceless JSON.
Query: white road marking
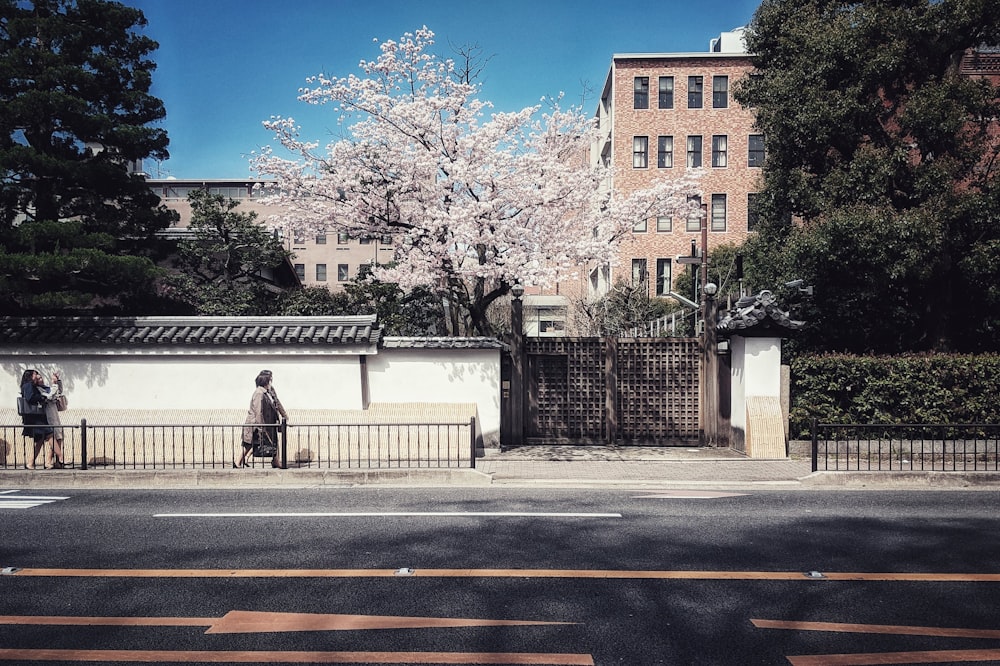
{"x":391,"y":514}
{"x":689,"y":494}
{"x":11,"y":501}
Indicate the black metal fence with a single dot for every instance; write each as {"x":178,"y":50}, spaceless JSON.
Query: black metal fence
{"x":199,"y":446}
{"x":906,"y":447}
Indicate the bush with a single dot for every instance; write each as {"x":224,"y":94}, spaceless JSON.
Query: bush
{"x":924,"y":388}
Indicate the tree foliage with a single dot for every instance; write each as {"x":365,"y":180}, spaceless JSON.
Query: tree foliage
{"x":76,"y":227}
{"x":220,"y":268}
{"x":885,"y":154}
{"x":474,"y":203}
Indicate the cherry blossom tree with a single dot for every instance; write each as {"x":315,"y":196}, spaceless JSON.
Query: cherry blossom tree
{"x":474,"y":201}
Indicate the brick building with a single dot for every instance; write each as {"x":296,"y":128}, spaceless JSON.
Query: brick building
{"x":663,"y":114}
{"x":321,"y":260}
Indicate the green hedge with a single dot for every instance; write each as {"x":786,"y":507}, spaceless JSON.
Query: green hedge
{"x":925,"y":388}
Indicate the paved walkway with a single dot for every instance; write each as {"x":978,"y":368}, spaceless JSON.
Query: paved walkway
{"x":535,"y":466}
{"x":626,"y":465}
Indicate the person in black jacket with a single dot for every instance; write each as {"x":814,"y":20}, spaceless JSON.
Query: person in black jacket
{"x":35,"y":425}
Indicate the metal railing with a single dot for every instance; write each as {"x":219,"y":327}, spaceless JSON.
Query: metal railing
{"x":905,"y":447}
{"x":202,"y":446}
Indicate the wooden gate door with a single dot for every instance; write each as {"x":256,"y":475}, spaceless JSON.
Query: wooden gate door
{"x":605,"y":390}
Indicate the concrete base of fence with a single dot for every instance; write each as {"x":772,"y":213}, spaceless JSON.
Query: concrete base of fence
{"x":237,"y":478}
{"x":903,"y":480}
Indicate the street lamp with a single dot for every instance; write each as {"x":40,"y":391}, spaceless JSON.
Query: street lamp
{"x":516,"y":436}
{"x":709,"y":359}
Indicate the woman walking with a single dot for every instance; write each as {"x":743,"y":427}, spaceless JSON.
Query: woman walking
{"x":35,"y":424}
{"x":265,"y":408}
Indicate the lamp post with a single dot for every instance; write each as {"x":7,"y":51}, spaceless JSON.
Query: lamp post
{"x":710,"y":365}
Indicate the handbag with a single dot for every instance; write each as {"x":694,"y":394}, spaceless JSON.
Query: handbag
{"x":263,"y":447}
{"x":62,"y":402}
{"x":29,"y":408}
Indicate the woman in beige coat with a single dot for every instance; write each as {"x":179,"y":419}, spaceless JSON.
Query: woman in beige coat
{"x":265,"y":408}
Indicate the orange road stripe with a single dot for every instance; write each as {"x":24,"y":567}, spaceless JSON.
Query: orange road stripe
{"x":880,"y":658}
{"x":268,"y":657}
{"x":244,"y":622}
{"x":945,"y":632}
{"x":509,"y":573}
{"x":72,"y":620}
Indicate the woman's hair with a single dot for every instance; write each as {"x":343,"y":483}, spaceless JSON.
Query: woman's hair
{"x":262,"y":379}
{"x":26,"y":377}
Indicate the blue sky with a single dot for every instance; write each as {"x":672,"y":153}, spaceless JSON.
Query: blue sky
{"x":225,"y":66}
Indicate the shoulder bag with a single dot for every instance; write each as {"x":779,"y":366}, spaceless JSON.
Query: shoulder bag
{"x":28,"y":408}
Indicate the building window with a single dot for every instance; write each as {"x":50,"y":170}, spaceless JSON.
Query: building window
{"x":638,"y":272}
{"x":719,"y":150}
{"x":695,"y":91}
{"x":365,"y":240}
{"x":385,"y":239}
{"x":720,"y":92}
{"x":639,"y":226}
{"x":752,"y":217}
{"x":640,"y":152}
{"x":320,"y":272}
{"x":300,"y":271}
{"x":694,"y":218}
{"x":343,"y":239}
{"x":663,"y":275}
{"x":718,"y":212}
{"x":320,"y":239}
{"x":666,"y":96}
{"x":641,"y":92}
{"x":755,"y":155}
{"x":694,"y":151}
{"x":342,"y":273}
{"x":298,"y":238}
{"x":664,"y":152}
{"x":664,"y":223}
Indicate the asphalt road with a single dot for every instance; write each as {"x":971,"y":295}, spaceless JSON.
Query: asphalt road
{"x":499,"y":576}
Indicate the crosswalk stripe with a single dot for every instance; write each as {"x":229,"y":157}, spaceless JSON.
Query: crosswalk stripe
{"x":11,"y":501}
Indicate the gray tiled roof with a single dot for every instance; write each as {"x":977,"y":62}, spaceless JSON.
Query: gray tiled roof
{"x":197,"y":331}
{"x":442,"y":343}
{"x":757,"y":315}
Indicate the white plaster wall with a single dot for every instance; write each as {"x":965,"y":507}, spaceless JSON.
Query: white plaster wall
{"x":441,"y":376}
{"x":738,"y":414}
{"x":763,"y":367}
{"x":189,"y":381}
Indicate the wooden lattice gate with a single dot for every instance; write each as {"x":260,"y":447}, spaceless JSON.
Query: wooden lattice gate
{"x":596,"y":390}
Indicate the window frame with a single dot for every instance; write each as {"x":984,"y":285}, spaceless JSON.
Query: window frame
{"x":665,"y":95}
{"x":693,"y":222}
{"x":321,"y":273}
{"x":694,"y":152}
{"x":720,"y":94}
{"x":720,"y":154}
{"x":641,"y":154}
{"x":756,"y":154}
{"x":696,"y":92}
{"x":718,"y":220}
{"x":664,"y":282}
{"x":664,"y":224}
{"x":640,"y":92}
{"x":643,"y":275}
{"x":664,"y":155}
{"x":343,"y":272}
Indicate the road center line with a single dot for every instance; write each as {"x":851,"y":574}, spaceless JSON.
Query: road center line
{"x":271,"y":657}
{"x":391,"y":514}
{"x":417,"y":572}
{"x":896,"y":630}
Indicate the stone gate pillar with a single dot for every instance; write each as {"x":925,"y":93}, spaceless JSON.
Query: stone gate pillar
{"x":755,"y":327}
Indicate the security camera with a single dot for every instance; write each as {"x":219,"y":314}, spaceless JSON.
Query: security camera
{"x":794,"y":283}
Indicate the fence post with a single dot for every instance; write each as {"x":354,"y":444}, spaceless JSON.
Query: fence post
{"x":283,"y":443}
{"x":83,"y":443}
{"x":472,"y":439}
{"x":815,"y":446}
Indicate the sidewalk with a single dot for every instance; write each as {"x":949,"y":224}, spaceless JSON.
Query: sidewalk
{"x":536,"y":466}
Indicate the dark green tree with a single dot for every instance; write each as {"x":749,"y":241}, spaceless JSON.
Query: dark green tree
{"x":76,"y":224}
{"x":885,"y":155}
{"x":220,"y":267}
